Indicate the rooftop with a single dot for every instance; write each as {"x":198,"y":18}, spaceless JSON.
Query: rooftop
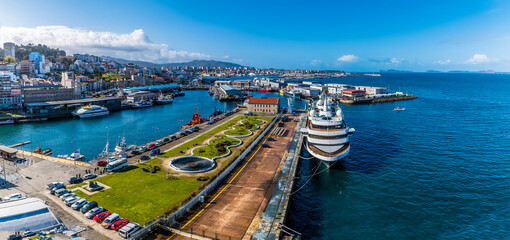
{"x":8,"y":150}
{"x":259,"y":100}
{"x":76,"y":101}
{"x":28,"y":213}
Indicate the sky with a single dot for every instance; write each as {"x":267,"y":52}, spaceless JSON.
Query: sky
{"x":337,"y":35}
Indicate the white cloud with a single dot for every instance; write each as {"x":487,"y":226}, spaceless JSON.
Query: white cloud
{"x":445,"y":62}
{"x":395,"y":60}
{"x":315,"y":62}
{"x":133,"y":46}
{"x":480,"y":58}
{"x":348,"y":58}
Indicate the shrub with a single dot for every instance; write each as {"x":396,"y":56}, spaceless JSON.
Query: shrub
{"x":203,"y":178}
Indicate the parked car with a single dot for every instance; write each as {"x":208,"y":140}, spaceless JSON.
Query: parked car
{"x":29,"y":233}
{"x":173,"y":137}
{"x":93,"y":212}
{"x":144,"y":157}
{"x":151,"y":146}
{"x":159,"y":142}
{"x":66,"y":195}
{"x":78,"y":204}
{"x":107,"y":223}
{"x":155,"y":152}
{"x":13,"y":196}
{"x":265,"y":145}
{"x":102,"y":163}
{"x":270,"y":139}
{"x":128,"y":230}
{"x":15,"y":237}
{"x":55,"y":184}
{"x":102,"y":216}
{"x":119,"y":223}
{"x":70,"y":200}
{"x":88,"y":206}
{"x":166,"y":139}
{"x":55,"y":188}
{"x":142,"y":148}
{"x":134,"y":152}
{"x":90,"y":176}
{"x":61,"y":192}
{"x":75,"y":180}
{"x":280,"y":124}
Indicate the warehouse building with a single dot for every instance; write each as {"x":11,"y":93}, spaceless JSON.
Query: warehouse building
{"x":264,"y":105}
{"x":28,"y":213}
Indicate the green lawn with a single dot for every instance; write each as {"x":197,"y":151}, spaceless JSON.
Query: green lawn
{"x":243,"y":128}
{"x":216,"y":147}
{"x":142,"y":196}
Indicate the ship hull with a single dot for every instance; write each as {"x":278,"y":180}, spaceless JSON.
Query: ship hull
{"x":328,"y":160}
{"x":89,"y":115}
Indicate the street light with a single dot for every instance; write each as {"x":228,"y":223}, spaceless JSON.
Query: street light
{"x":155,"y":129}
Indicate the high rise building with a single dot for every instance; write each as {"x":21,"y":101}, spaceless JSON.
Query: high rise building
{"x":9,"y":48}
{"x":10,"y":91}
{"x":38,"y":59}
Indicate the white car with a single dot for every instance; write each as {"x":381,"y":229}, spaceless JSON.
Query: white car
{"x":13,"y":196}
{"x":67,"y":195}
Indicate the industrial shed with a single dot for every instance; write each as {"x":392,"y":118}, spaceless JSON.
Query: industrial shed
{"x":24,"y":214}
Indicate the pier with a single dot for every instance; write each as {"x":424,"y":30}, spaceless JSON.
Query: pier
{"x":20,"y":144}
{"x":376,"y":100}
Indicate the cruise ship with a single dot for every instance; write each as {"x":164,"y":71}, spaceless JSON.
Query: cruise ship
{"x":91,"y":111}
{"x":327,"y":134}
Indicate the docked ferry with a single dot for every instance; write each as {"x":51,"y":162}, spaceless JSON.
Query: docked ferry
{"x":327,"y":134}
{"x":91,"y":111}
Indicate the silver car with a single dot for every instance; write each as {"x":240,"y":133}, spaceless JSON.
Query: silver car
{"x":93,"y":212}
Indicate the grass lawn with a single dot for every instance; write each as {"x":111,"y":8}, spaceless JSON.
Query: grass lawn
{"x":216,"y":147}
{"x":243,"y":128}
{"x":77,"y":185}
{"x":142,"y":196}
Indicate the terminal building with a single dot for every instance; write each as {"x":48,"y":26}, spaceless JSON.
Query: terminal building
{"x":54,"y":109}
{"x":264,"y":105}
{"x":46,"y":93}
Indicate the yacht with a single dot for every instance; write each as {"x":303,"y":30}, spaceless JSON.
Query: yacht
{"x":164,"y":99}
{"x":75,"y":156}
{"x":327,"y":134}
{"x":91,"y":111}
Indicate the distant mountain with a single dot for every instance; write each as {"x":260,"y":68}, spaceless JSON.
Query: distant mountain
{"x":194,"y":63}
{"x":395,"y":71}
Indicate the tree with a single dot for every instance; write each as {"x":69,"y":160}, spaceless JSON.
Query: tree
{"x":9,"y":59}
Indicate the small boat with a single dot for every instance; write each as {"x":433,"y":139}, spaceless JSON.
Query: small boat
{"x":38,"y":150}
{"x":75,"y":156}
{"x":281,"y":92}
{"x":266,"y":90}
{"x":197,"y":119}
{"x":142,"y":104}
{"x":47,"y":151}
{"x":399,"y":109}
{"x":164,"y":99}
{"x":5,"y":122}
{"x":121,"y":146}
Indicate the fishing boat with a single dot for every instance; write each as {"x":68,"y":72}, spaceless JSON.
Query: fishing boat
{"x":266,"y":90}
{"x":215,"y":113}
{"x":164,"y":99}
{"x":142,"y":104}
{"x":121,"y":146}
{"x":397,"y":109}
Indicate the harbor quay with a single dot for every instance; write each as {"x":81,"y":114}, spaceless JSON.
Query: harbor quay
{"x":235,"y":207}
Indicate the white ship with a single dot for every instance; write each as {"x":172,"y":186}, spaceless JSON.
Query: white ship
{"x":91,"y":111}
{"x":328,"y":135}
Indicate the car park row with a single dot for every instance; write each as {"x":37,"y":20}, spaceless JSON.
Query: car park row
{"x":93,"y":211}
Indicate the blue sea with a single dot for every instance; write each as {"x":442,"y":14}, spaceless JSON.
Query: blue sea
{"x":439,"y":170}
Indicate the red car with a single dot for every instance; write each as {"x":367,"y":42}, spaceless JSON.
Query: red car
{"x":119,"y":224}
{"x":151,"y":146}
{"x":102,"y":216}
{"x":102,"y":163}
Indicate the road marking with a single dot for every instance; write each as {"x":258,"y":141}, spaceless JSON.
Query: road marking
{"x":223,"y":189}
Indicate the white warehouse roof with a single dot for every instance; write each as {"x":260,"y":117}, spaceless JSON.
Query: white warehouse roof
{"x":28,"y":213}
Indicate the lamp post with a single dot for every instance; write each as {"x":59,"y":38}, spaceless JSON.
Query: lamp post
{"x":155,"y":130}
